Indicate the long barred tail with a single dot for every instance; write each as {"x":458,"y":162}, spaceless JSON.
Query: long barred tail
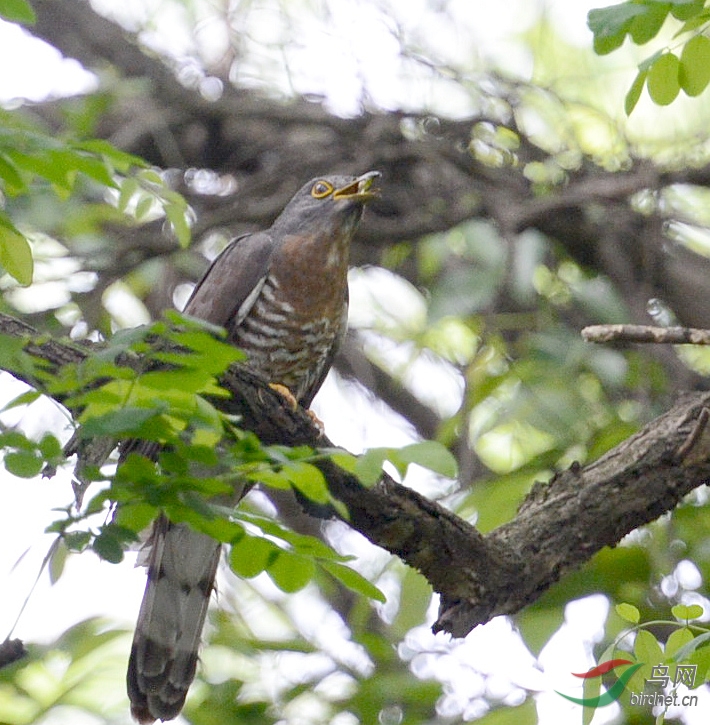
{"x":181,"y":570}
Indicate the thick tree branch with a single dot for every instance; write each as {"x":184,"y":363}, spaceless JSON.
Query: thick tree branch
{"x":558,"y":527}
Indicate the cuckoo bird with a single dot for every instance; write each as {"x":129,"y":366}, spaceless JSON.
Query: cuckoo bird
{"x":282,"y":296}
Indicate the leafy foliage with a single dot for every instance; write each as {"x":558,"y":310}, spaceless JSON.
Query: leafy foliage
{"x":655,"y":663}
{"x":32,"y":158}
{"x":665,"y":73}
{"x":67,"y":673}
{"x":167,"y":400}
{"x":428,"y":454}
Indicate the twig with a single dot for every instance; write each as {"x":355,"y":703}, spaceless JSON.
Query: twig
{"x":646,"y":334}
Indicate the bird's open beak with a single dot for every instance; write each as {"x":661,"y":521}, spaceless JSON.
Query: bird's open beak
{"x":359,"y":190}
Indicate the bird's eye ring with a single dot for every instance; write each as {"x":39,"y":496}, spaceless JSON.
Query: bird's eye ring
{"x":321,"y":189}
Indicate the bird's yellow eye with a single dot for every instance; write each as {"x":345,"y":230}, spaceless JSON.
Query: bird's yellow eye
{"x":321,"y":189}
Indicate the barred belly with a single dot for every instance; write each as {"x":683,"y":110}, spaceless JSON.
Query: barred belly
{"x":286,"y":347}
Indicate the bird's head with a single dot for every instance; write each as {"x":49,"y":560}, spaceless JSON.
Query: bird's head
{"x":328,"y":203}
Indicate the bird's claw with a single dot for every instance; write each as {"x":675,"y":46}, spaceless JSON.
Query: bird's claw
{"x":290,"y":398}
{"x":317,"y":422}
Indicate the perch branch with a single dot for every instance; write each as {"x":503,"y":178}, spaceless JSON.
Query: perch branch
{"x":558,"y":527}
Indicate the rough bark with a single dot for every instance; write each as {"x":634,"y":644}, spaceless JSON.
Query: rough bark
{"x":559,"y":526}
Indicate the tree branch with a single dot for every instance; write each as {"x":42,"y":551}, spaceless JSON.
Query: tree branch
{"x":559,"y":526}
{"x":646,"y":334}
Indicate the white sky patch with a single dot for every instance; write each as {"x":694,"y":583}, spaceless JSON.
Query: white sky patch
{"x":44,"y":71}
{"x":114,"y":591}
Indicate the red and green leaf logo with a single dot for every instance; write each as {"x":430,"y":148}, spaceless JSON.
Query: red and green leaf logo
{"x":614,"y":692}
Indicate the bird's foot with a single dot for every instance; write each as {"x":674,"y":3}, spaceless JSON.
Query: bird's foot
{"x":293,"y":403}
{"x":317,"y":422}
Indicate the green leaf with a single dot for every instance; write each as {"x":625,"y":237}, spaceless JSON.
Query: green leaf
{"x":430,"y":455}
{"x":15,"y":252}
{"x":143,"y":207}
{"x":177,"y":216}
{"x":414,"y":599}
{"x":301,"y":543}
{"x":203,"y":515}
{"x":700,"y":657}
{"x":686,"y":9}
{"x":647,"y":649}
{"x":628,"y":612}
{"x":687,"y":651}
{"x":685,"y":612}
{"x":645,"y":27}
{"x":694,"y":74}
{"x":13,"y":357}
{"x":307,"y":479}
{"x":50,"y":447}
{"x":591,"y":687}
{"x":16,"y":439}
{"x":108,"y":546}
{"x":606,"y":44}
{"x":9,"y":172}
{"x":291,"y":572}
{"x":17,"y":11}
{"x":368,"y":468}
{"x":89,"y":165}
{"x":343,"y":459}
{"x":663,"y":84}
{"x":537,"y":624}
{"x":41,"y":164}
{"x":677,"y":640}
{"x":24,"y":464}
{"x":128,"y":188}
{"x":270,"y":477}
{"x":135,"y":516}
{"x":77,"y":540}
{"x":647,"y":63}
{"x":251,"y":555}
{"x":694,"y":23}
{"x":57,"y":560}
{"x":29,"y":396}
{"x":116,"y":422}
{"x":189,"y":380}
{"x":606,"y":22}
{"x":121,"y":160}
{"x":151,"y":177}
{"x":610,"y":25}
{"x":632,"y":97}
{"x":352,"y":580}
